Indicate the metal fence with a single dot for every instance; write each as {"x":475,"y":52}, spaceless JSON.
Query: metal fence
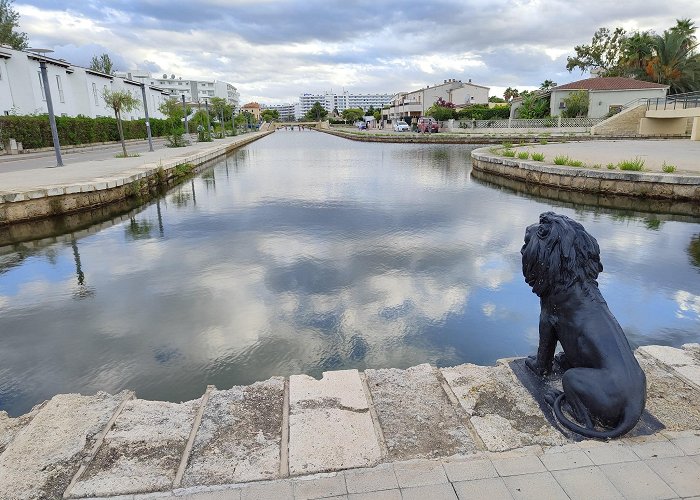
{"x":551,"y":122}
{"x":677,"y":101}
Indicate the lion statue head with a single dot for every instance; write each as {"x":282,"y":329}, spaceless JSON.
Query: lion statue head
{"x":557,"y":253}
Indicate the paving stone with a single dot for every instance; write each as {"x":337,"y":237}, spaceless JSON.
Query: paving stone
{"x":483,"y":489}
{"x":278,"y":490}
{"x":689,"y":373}
{"x":607,"y":453}
{"x":381,"y":477}
{"x":569,"y":458}
{"x":585,"y":483}
{"x":419,"y":473}
{"x":656,"y":449}
{"x":689,"y":444}
{"x":670,"y":356}
{"x":42,"y":459}
{"x":377,"y":495}
{"x":330,"y":426}
{"x":535,"y":487}
{"x":518,"y":465}
{"x":433,"y":492}
{"x":669,"y":399}
{"x":319,"y":486}
{"x":229,"y":494}
{"x":239,"y":437}
{"x":502,"y":411}
{"x":680,"y":473}
{"x":467,"y":470}
{"x":142,"y":451}
{"x":636,"y":480}
{"x":415,"y":414}
{"x":694,"y":350}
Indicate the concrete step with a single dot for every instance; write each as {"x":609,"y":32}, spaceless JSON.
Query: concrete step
{"x":84,"y":446}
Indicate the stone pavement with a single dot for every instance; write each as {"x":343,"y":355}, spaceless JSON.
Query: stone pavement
{"x":462,"y":432}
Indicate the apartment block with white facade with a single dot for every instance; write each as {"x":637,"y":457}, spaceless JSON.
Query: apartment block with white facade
{"x":409,"y":105}
{"x":74,"y":90}
{"x":286,"y":111}
{"x":193,"y":90}
{"x":330,"y":101}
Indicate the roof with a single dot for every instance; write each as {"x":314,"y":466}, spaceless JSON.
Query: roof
{"x":251,"y":105}
{"x":610,"y":83}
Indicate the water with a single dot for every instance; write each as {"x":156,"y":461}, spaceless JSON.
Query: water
{"x":302,"y":253}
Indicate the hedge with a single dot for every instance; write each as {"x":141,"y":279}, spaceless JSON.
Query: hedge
{"x":34,"y":131}
{"x":484,"y":113}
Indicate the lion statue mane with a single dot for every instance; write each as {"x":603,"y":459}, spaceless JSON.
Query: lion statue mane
{"x":604,"y":386}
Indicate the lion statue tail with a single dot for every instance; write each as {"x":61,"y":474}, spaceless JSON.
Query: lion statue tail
{"x":629,"y":419}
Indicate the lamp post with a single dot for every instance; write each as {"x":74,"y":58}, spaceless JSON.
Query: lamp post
{"x":206,"y":106}
{"x":145,"y":110}
{"x":49,"y":103}
{"x":184,"y":110}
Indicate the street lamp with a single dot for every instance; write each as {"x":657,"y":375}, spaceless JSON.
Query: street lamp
{"x":184,"y":110}
{"x":49,"y":103}
{"x":206,"y":106}
{"x":145,"y":110}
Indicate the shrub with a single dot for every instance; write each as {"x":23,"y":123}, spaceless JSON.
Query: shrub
{"x":543,"y":141}
{"x":509,"y":153}
{"x":507,"y":145}
{"x":561,"y":160}
{"x":636,"y":164}
{"x":574,"y":163}
{"x":538,"y":156}
{"x":576,"y":104}
{"x":523,"y":155}
{"x":669,"y":169}
{"x":611,"y":166}
{"x":478,"y":112}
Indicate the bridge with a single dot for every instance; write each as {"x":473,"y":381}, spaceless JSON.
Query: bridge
{"x":669,"y":115}
{"x":276,"y":125}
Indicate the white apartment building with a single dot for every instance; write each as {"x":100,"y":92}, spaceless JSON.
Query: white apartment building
{"x":286,"y":111}
{"x":414,"y":104}
{"x":330,"y":101}
{"x":193,"y":90}
{"x":74,"y":90}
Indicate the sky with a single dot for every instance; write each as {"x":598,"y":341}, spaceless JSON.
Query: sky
{"x":275,"y":50}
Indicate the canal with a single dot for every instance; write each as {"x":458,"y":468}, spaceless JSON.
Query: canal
{"x":304,"y":252}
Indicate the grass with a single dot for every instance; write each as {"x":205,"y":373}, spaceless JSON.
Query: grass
{"x":560,"y":160}
{"x":669,"y":169}
{"x":611,"y":166}
{"x":543,"y":141}
{"x":509,"y":153}
{"x":597,"y":166}
{"x":523,"y":155}
{"x":636,"y":165}
{"x":121,"y":155}
{"x":575,"y":163}
{"x":538,"y":156}
{"x":507,"y":145}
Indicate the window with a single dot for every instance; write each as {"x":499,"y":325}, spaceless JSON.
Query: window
{"x":41,"y":85}
{"x":94,"y":93}
{"x":60,"y":89}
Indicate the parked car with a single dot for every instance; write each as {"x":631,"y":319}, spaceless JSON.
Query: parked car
{"x":427,"y":124}
{"x":401,"y":126}
{"x":361,"y":125}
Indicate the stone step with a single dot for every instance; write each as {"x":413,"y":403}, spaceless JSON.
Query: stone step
{"x":103,"y":445}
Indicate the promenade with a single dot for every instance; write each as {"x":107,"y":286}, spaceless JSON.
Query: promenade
{"x":462,"y":432}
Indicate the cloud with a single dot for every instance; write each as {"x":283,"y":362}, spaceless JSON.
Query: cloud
{"x":274,"y":50}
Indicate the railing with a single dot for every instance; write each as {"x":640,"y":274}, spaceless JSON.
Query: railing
{"x":552,"y":122}
{"x":677,"y":101}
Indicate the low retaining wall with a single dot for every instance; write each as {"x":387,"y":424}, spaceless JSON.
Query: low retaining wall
{"x":65,"y":199}
{"x":661,"y":186}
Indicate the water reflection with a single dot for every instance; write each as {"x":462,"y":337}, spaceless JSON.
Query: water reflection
{"x":305,"y":252}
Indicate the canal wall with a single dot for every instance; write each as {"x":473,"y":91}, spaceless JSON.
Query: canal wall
{"x":76,"y":446}
{"x":637,"y":184}
{"x":61,"y":192}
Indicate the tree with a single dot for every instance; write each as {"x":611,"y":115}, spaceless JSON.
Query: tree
{"x":120,"y":100}
{"x":316,"y":113}
{"x":8,"y":22}
{"x":603,"y":54}
{"x":533,"y":106}
{"x":173,"y":110}
{"x":511,"y":93}
{"x":576,"y":104}
{"x":103,"y":64}
{"x":674,"y":63}
{"x":637,"y":49}
{"x":440,"y":113}
{"x":496,"y":99}
{"x":270,"y":115}
{"x":686,"y":29}
{"x":221,"y":109}
{"x":353,"y":114}
{"x":547,"y":85}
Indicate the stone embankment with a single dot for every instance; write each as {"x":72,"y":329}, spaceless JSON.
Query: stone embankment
{"x":245,"y":439}
{"x":588,"y":180}
{"x":84,"y":186}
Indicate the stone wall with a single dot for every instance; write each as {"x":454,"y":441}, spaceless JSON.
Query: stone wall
{"x":663,"y":186}
{"x":625,"y":122}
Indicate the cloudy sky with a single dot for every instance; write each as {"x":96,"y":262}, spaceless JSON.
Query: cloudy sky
{"x":274,"y":50}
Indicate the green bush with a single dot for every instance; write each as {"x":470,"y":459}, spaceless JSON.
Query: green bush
{"x":669,"y":169}
{"x":34,"y":131}
{"x":538,"y":156}
{"x":636,"y":164}
{"x":574,"y":163}
{"x":478,"y":112}
{"x":561,"y":160}
{"x":509,"y":153}
{"x":611,"y":166}
{"x":523,"y":155}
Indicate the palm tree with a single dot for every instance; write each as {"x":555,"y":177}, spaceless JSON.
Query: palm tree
{"x":686,"y":28}
{"x":674,"y":63}
{"x":637,"y":50}
{"x":547,"y":84}
{"x":510,"y":93}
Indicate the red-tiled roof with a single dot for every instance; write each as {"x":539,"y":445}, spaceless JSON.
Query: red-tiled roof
{"x":610,"y":83}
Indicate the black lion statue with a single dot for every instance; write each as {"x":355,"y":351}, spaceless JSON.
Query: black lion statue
{"x":604,"y":386}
